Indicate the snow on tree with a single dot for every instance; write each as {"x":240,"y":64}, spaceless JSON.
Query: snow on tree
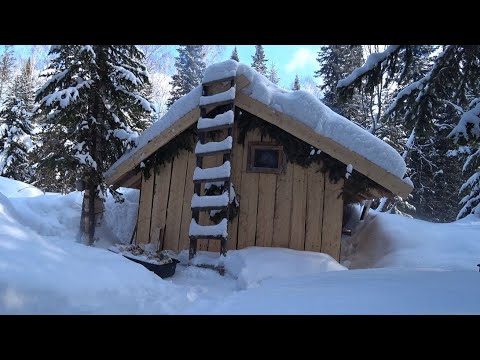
{"x":159,"y":61}
{"x":259,"y":62}
{"x":235,"y":55}
{"x":466,"y":132}
{"x":296,"y":84}
{"x":273,"y":74}
{"x":336,"y":62}
{"x":93,"y":105}
{"x":16,"y":128}
{"x":449,"y":78}
{"x":190,"y":66}
{"x":7,"y":63}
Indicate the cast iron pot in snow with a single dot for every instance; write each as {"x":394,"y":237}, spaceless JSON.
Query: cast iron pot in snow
{"x":164,"y":270}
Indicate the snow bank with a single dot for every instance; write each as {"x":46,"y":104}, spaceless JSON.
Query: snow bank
{"x":44,"y":271}
{"x":13,"y":188}
{"x":300,"y":105}
{"x":119,"y":219}
{"x":394,"y":241}
{"x":253,"y":265}
{"x":359,"y":292}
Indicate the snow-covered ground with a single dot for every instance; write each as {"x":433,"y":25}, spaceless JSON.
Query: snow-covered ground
{"x":397,"y":266}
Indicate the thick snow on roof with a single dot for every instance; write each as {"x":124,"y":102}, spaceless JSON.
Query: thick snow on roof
{"x":300,"y":105}
{"x":179,"y":109}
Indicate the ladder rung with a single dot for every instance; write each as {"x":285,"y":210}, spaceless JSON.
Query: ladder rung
{"x":210,"y":201}
{"x":214,"y":152}
{"x":228,"y":95}
{"x":213,"y":82}
{"x":218,"y":231}
{"x":213,"y":174}
{"x":199,"y":181}
{"x":208,"y":208}
{"x":207,"y":237}
{"x":215,"y":128}
{"x":218,"y":103}
{"x":214,"y":147}
{"x":225,"y":118}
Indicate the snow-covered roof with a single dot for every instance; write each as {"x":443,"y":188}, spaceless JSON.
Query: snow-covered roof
{"x":299,"y":105}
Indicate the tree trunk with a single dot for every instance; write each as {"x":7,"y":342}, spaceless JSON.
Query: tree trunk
{"x":92,"y":209}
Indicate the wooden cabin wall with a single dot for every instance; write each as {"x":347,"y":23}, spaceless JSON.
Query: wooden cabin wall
{"x":298,"y":209}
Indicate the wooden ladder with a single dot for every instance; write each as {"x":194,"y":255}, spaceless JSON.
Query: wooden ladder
{"x":216,"y":174}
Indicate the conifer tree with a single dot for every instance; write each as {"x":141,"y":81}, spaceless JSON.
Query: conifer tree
{"x":273,"y":74}
{"x":15,"y":131}
{"x":235,"y":55}
{"x":336,"y":62}
{"x":190,"y":67}
{"x":7,"y":63}
{"x":296,"y":84}
{"x":259,"y":62}
{"x":93,"y":104}
{"x":450,"y":79}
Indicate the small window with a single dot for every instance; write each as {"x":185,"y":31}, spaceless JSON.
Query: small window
{"x":265,"y":158}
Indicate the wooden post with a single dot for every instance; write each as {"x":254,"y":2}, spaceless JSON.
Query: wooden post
{"x":365,"y":209}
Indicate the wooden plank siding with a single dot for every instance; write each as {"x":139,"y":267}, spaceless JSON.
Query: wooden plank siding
{"x":184,"y":240}
{"x":175,"y":204}
{"x":332,"y":218}
{"x":283,"y":208}
{"x":160,"y":203}
{"x":298,"y":209}
{"x":266,"y":205}
{"x":299,"y":206}
{"x":145,"y":210}
{"x":314,"y":217}
{"x":247,"y":224}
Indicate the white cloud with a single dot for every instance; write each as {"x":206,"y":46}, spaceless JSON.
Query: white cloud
{"x":301,"y":58}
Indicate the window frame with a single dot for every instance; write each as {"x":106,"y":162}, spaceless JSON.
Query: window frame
{"x":253,"y":146}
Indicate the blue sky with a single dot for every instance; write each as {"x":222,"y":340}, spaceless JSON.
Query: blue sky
{"x":289,"y":59}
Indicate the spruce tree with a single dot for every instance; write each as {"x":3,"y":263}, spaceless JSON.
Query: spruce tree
{"x":235,"y":55}
{"x":273,"y":74}
{"x":451,"y":79}
{"x":190,"y":67}
{"x":7,"y":63}
{"x":336,"y":62}
{"x":296,"y":84}
{"x":259,"y":62}
{"x":93,"y":105}
{"x":16,"y":128}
